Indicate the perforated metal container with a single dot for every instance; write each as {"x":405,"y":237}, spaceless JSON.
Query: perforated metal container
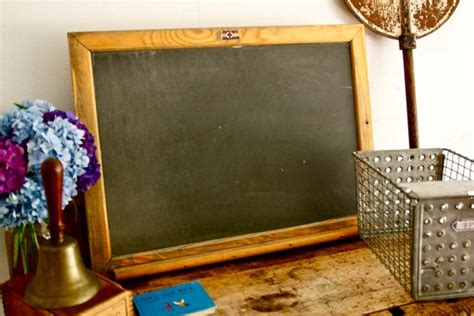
{"x":416,"y":213}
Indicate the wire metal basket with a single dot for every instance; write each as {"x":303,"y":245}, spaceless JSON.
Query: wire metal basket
{"x":416,"y":213}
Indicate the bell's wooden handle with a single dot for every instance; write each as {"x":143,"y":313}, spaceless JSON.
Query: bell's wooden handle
{"x":52,"y":175}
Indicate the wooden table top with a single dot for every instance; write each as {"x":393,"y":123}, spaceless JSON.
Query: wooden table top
{"x":343,"y":278}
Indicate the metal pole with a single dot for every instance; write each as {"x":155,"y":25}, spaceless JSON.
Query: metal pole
{"x":407,"y":45}
{"x":410,"y":93}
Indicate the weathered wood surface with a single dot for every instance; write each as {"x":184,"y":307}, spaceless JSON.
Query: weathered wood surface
{"x":338,"y":279}
{"x":461,"y":307}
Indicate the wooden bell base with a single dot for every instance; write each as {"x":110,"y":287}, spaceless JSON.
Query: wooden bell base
{"x":112,"y":299}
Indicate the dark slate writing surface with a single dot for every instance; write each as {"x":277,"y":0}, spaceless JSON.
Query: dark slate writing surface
{"x":204,"y":143}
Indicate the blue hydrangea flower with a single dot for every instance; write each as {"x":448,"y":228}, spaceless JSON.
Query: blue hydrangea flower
{"x":21,"y":124}
{"x":25,"y":206}
{"x":34,"y":132}
{"x":41,"y":138}
{"x":60,"y":139}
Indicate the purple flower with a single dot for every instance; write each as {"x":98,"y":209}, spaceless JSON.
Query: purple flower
{"x":92,"y":172}
{"x":12,"y":166}
{"x":90,"y":176}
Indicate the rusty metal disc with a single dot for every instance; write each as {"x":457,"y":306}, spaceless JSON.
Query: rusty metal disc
{"x":387,"y":17}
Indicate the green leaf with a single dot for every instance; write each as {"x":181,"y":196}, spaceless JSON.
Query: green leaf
{"x":22,"y":246}
{"x":16,"y":241}
{"x":21,"y":107}
{"x":33,"y":245}
{"x":24,"y":256}
{"x":33,"y":236}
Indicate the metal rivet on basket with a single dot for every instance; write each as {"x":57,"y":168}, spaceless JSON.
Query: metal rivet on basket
{"x":439,"y":260}
{"x":459,"y":206}
{"x":409,"y":168}
{"x":376,"y":159}
{"x":444,"y":207}
{"x":441,"y":233}
{"x":430,"y":178}
{"x":452,"y":258}
{"x":453,"y":245}
{"x":433,"y":156}
{"x":427,"y":221}
{"x":464,"y":270}
{"x":466,"y":243}
{"x":429,"y":207}
{"x":388,"y":159}
{"x":422,"y":157}
{"x":411,"y":157}
{"x":426,"y":262}
{"x":438,"y":273}
{"x":440,"y":247}
{"x":465,"y":257}
{"x":409,"y":179}
{"x":438,"y":287}
{"x":425,"y":288}
{"x":426,"y":248}
{"x":442,"y":220}
{"x":451,"y":272}
{"x":463,"y":284}
{"x":400,"y":158}
{"x":421,"y":168}
{"x":427,"y":234}
{"x":388,"y":170}
{"x":399,"y":169}
{"x":450,"y":285}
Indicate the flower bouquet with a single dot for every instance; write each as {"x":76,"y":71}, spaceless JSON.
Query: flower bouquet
{"x":29,"y":135}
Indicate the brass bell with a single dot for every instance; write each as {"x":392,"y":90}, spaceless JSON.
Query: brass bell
{"x":61,"y":278}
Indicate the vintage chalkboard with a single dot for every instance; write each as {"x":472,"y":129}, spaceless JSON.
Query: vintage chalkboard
{"x":219,"y":143}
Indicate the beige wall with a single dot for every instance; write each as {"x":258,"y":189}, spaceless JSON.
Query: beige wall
{"x":34,"y":57}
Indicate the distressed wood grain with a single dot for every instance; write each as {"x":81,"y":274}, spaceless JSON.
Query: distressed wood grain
{"x":337,"y":279}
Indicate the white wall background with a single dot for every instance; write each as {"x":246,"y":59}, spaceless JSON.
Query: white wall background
{"x":34,"y":58}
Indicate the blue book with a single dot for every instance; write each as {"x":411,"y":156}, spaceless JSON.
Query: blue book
{"x":184,"y":299}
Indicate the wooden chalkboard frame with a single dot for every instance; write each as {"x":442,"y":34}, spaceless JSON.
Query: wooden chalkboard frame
{"x":83,"y":45}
